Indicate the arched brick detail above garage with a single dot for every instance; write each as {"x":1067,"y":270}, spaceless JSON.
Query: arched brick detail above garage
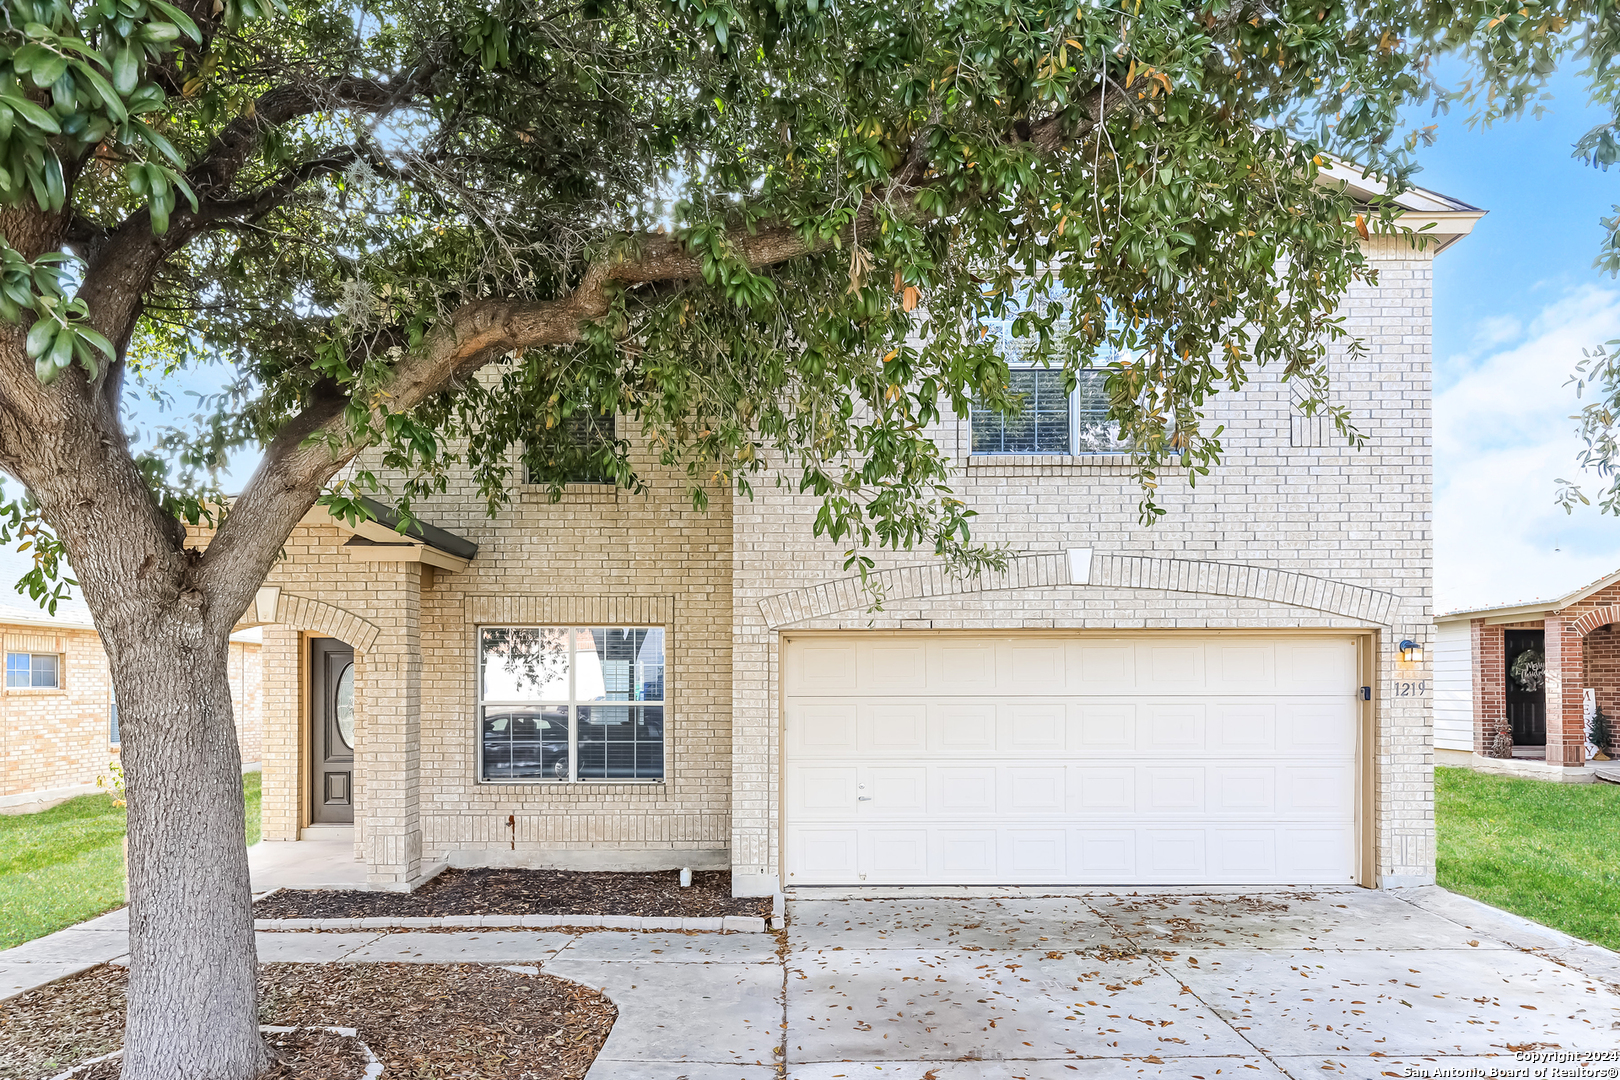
{"x":1599,"y":617}
{"x":1084,"y":568}
{"x":317,"y":617}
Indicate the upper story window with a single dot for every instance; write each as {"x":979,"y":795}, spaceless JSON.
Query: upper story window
{"x":38,"y":670}
{"x":571,"y":704}
{"x":583,"y":437}
{"x":1047,"y":420}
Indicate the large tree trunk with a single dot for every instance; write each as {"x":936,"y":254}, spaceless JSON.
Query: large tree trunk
{"x":193,"y":995}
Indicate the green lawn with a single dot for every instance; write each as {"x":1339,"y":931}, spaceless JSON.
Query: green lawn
{"x":1545,"y":851}
{"x":66,"y":864}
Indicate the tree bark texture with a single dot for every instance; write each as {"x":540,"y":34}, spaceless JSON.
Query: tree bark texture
{"x":193,"y":966}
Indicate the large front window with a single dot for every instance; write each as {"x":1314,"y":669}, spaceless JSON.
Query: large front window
{"x":573,"y":704}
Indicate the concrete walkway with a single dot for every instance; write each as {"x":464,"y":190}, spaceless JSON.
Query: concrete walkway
{"x":1174,"y":984}
{"x":305,"y":864}
{"x":1005,"y":984}
{"x":703,"y":1006}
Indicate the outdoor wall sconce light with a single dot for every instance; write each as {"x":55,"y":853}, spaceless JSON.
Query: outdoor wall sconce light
{"x":1411,"y":651}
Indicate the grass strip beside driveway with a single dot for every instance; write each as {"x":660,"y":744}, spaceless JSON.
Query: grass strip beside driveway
{"x":1538,"y":849}
{"x":66,"y":864}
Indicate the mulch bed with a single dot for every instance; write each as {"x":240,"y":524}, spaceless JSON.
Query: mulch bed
{"x":296,"y":1055}
{"x":526,"y":892}
{"x":423,"y":1021}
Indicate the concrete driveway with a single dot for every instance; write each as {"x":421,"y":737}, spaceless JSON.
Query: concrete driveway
{"x":1246,"y":984}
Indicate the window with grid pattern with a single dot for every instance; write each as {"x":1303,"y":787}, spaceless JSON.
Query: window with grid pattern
{"x":37,"y":670}
{"x":1047,"y":420}
{"x":571,"y":704}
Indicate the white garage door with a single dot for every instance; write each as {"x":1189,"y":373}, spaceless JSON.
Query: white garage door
{"x":1002,"y":759}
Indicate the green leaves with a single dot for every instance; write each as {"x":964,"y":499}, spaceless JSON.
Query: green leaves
{"x":60,"y":332}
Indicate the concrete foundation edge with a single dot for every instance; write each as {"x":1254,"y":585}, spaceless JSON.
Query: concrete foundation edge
{"x":633,"y":860}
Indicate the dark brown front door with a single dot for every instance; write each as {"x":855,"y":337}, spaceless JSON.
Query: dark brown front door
{"x":1526,"y":674}
{"x":331,"y":732}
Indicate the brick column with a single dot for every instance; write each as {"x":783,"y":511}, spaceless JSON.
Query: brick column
{"x":1566,"y":726}
{"x":388,"y":694}
{"x":283,"y":734}
{"x":1490,"y":685}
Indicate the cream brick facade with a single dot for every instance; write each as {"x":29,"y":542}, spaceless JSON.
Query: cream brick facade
{"x":598,"y":557}
{"x":54,"y":743}
{"x":1280,"y":535}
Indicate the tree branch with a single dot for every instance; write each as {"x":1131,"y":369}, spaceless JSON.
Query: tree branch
{"x":300,"y":460}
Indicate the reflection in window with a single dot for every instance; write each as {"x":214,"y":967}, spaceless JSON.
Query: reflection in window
{"x":33,"y":670}
{"x":1046,"y":420}
{"x":1039,"y":424}
{"x":546,"y":697}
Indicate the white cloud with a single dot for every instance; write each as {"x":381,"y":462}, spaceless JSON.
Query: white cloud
{"x":1502,"y":438}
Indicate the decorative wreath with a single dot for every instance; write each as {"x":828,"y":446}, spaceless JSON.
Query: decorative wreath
{"x":1530,"y":670}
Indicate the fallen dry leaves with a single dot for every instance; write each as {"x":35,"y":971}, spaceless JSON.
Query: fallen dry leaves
{"x":424,"y":1021}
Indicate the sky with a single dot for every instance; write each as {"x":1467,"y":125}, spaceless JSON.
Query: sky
{"x":1515,"y":303}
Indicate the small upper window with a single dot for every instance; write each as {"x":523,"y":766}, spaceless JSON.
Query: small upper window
{"x":1046,"y":420}
{"x":33,"y":669}
{"x":576,"y":451}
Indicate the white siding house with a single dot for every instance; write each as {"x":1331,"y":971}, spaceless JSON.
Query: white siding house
{"x":1453,"y":687}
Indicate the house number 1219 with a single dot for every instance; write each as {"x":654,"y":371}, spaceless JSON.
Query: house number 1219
{"x":1411,"y":689}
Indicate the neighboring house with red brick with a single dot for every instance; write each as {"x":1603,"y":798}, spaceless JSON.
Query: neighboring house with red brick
{"x":618,"y":681}
{"x":1530,"y":675}
{"x":58,"y":717}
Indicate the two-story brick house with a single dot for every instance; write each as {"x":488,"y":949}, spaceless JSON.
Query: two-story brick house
{"x":619,"y":681}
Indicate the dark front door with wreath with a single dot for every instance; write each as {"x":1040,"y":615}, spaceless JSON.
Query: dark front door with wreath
{"x":1526,"y":656}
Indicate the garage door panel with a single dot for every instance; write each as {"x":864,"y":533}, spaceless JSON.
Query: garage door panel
{"x":1317,"y":790}
{"x":821,"y":792}
{"x":900,"y":791}
{"x":1026,"y":790}
{"x":1040,"y":856}
{"x":1314,"y":854}
{"x":957,"y":667}
{"x":1316,"y":729}
{"x":1170,"y":791}
{"x":1102,"y":792}
{"x":1146,"y":759}
{"x":1103,"y":856}
{"x":963,"y":854}
{"x":1097,"y":729}
{"x":824,"y":856}
{"x":894,"y":729}
{"x":894,"y":856}
{"x":1101,"y":667}
{"x":1037,"y":667}
{"x":1172,"y":729}
{"x":962,"y":730}
{"x":894,"y":669}
{"x":1033,"y":727}
{"x":816,"y":731}
{"x":1238,"y":666}
{"x":1243,"y":854}
{"x":1243,"y":728}
{"x":1322,"y":665}
{"x":1165,"y":667}
{"x":956,"y":791}
{"x":820,"y":668}
{"x":1173,"y":855}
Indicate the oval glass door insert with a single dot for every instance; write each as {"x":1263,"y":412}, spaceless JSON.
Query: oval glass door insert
{"x":343,"y":706}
